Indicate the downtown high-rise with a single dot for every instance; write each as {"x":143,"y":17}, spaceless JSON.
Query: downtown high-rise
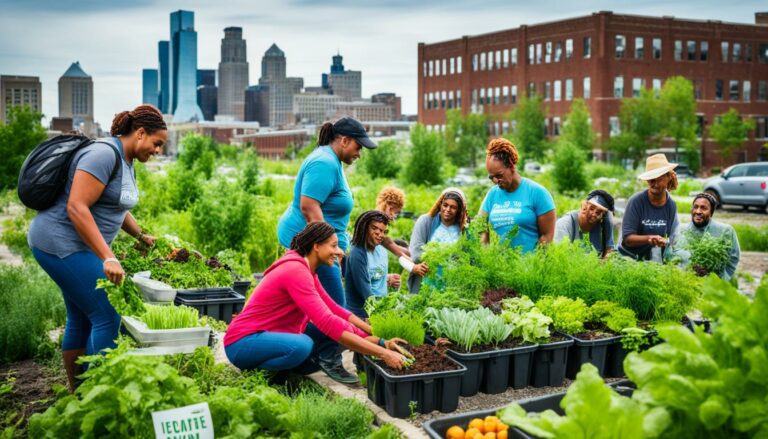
{"x":233,"y":74}
{"x":183,"y":68}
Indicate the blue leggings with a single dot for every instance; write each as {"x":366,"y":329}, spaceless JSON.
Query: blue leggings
{"x":273,"y":351}
{"x":325,"y":349}
{"x":92,"y":322}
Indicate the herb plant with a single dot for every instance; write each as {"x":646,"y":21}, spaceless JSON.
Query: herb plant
{"x":455,"y":324}
{"x":170,"y":317}
{"x":390,"y":324}
{"x":568,"y":315}
{"x":125,"y":297}
{"x":709,"y":254}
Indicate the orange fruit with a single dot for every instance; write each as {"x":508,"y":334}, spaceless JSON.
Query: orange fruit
{"x":501,"y":427}
{"x":478,"y":436}
{"x":471,"y":432}
{"x":490,"y":426}
{"x":455,"y":432}
{"x":478,"y":424}
{"x":491,"y":418}
{"x":490,"y":435}
{"x":503,"y":434}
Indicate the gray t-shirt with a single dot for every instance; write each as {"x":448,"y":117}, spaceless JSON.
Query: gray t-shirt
{"x":567,"y":226}
{"x":53,"y":232}
{"x":643,"y":218}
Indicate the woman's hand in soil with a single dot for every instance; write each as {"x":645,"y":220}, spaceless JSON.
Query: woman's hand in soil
{"x":149,"y":240}
{"x":442,"y":341}
{"x":392,"y":343}
{"x":393,"y":359}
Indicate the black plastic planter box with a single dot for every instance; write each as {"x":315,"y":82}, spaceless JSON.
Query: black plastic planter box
{"x":492,"y":371}
{"x":429,"y":391}
{"x":589,"y":351}
{"x":520,"y":365}
{"x":241,"y":287}
{"x":436,"y":428}
{"x":549,"y":363}
{"x":219,"y":303}
{"x":614,"y":360}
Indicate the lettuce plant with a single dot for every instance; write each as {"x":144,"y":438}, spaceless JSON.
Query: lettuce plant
{"x":528,"y":323}
{"x":568,"y":315}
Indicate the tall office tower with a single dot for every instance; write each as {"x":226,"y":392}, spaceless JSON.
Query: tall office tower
{"x":183,"y":81}
{"x":273,"y":64}
{"x":20,"y":90}
{"x":233,"y":74}
{"x":344,"y":83}
{"x":207,"y":93}
{"x":257,"y":104}
{"x":164,"y":74}
{"x":76,"y":98}
{"x":149,"y":86}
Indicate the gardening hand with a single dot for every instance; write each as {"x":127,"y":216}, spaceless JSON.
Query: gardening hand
{"x":657,"y":241}
{"x":149,"y":240}
{"x":393,"y":359}
{"x":421,"y":269}
{"x":114,"y":271}
{"x":442,"y":341}
{"x":393,"y":281}
{"x":392,"y":343}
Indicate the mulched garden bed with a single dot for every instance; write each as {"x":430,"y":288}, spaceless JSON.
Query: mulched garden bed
{"x":506,"y":344}
{"x":428,"y":359}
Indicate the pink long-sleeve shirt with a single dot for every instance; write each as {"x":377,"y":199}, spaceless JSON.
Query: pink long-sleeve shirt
{"x":287,"y":298}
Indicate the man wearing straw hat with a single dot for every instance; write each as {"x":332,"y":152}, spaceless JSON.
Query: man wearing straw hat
{"x":650,"y":220}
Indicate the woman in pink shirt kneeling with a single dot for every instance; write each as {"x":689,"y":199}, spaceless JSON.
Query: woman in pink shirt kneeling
{"x":269,"y":332}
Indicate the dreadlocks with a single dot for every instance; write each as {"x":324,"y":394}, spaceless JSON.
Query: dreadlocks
{"x":362,"y":223}
{"x":502,"y":150}
{"x":314,"y":233}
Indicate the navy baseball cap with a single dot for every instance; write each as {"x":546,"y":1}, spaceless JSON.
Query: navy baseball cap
{"x":347,"y":126}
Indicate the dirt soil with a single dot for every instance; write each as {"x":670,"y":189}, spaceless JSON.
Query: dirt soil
{"x":32,"y":392}
{"x":506,"y":344}
{"x":428,"y":359}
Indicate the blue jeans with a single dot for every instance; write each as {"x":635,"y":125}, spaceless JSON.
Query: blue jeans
{"x":273,"y":351}
{"x":92,"y":322}
{"x":326,"y":350}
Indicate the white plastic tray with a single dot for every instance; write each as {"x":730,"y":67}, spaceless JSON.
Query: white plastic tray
{"x":146,"y":337}
{"x":154,"y":290}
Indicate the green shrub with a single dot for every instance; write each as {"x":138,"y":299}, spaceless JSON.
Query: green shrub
{"x":752,"y":238}
{"x":568,"y":172}
{"x":329,"y":416}
{"x":382,"y":162}
{"x":32,"y":304}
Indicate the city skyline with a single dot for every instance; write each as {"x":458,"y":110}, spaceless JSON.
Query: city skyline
{"x":114,"y":41}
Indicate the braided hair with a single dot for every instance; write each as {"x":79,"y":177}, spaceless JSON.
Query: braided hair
{"x":502,"y":150}
{"x":143,"y":116}
{"x":359,"y":238}
{"x":610,"y":206}
{"x":315,"y":232}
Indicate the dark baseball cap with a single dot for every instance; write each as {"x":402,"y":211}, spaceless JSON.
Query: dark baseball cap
{"x":347,"y":126}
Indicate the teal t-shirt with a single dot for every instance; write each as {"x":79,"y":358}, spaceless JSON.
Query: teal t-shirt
{"x":522,"y":208}
{"x":321,"y":178}
{"x":378,"y":266}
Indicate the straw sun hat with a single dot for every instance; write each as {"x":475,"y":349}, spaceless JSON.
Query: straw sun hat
{"x":656,"y":166}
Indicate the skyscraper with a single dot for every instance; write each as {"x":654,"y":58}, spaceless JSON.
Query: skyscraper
{"x":344,"y":83}
{"x":76,"y":98}
{"x":164,"y":74}
{"x":19,"y":90}
{"x":233,"y":74}
{"x":183,"y":80}
{"x":281,"y":89}
{"x":149,"y":86}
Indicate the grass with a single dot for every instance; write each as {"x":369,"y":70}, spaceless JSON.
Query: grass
{"x":752,"y":238}
{"x":392,"y":323}
{"x":329,"y":416}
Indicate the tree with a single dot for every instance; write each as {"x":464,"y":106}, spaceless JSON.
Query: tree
{"x":641,"y":124}
{"x":382,"y":162}
{"x":568,"y":172}
{"x":425,"y":164}
{"x":577,"y":129}
{"x":465,"y":137}
{"x":195,"y":147}
{"x":730,"y":131}
{"x":528,"y":135}
{"x":679,"y":113}
{"x":17,"y":139}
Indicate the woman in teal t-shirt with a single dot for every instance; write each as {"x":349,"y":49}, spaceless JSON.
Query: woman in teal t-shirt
{"x":516,"y":201}
{"x":321,"y":193}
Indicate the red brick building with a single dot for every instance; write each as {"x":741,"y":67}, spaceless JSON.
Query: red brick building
{"x":602,"y":58}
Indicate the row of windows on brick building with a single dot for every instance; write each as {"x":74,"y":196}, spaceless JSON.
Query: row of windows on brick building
{"x":690,"y":50}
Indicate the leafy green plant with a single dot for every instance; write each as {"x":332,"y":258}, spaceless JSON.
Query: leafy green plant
{"x":170,"y":317}
{"x":125,"y":298}
{"x":568,"y":315}
{"x":493,"y":328}
{"x":527,"y":322}
{"x":709,"y":254}
{"x":329,"y":416}
{"x":392,"y":323}
{"x":457,"y":325}
{"x":711,"y":385}
{"x":612,"y":315}
{"x":587,"y":404}
{"x":752,"y":238}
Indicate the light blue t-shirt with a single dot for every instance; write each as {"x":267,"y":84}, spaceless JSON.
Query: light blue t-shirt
{"x":522,"y":208}
{"x":321,"y":178}
{"x":378,"y":265}
{"x":446,"y":234}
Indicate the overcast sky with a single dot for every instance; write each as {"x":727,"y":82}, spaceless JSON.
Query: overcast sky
{"x":115,"y":40}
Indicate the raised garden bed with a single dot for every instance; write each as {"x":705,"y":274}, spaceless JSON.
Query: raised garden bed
{"x":590,"y":347}
{"x":549,"y":361}
{"x":432,"y":383}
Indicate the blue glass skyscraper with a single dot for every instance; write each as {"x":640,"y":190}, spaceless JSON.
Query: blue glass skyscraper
{"x":183,"y":90}
{"x":149,"y":87}
{"x":164,"y":74}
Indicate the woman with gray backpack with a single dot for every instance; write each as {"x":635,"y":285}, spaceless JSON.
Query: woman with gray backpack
{"x":71,"y":238}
